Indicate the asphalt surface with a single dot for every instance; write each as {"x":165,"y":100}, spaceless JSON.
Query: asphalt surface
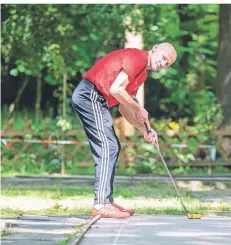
{"x":119,"y":179}
{"x":39,"y":229}
{"x":137,"y":229}
{"x":160,"y":229}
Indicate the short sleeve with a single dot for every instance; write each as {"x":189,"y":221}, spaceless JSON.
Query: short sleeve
{"x":134,"y":93}
{"x":133,"y":62}
{"x":134,"y":96}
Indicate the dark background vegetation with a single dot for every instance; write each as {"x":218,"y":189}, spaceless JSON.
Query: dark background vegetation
{"x":46,"y":48}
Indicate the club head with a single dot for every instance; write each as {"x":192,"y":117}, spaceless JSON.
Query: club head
{"x":194,"y":216}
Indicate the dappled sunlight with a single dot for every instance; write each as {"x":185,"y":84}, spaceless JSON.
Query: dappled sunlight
{"x":134,"y":230}
{"x":108,"y":235}
{"x":205,"y":243}
{"x":170,"y":205}
{"x":159,"y":229}
{"x":151,"y":223}
{"x":197,"y":185}
{"x":191,"y":234}
{"x":77,"y":200}
{"x":46,"y":222}
{"x":9,"y":242}
{"x":41,"y":230}
{"x":94,"y":95}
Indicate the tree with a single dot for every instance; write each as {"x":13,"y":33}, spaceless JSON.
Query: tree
{"x":49,"y":41}
{"x":45,"y":42}
{"x":224,"y":65}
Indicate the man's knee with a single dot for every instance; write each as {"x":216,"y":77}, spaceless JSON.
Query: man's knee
{"x":115,"y":147}
{"x":119,"y":146}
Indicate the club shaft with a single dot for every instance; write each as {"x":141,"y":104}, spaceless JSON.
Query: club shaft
{"x":158,"y":149}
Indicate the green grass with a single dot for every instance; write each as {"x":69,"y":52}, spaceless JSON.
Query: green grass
{"x":53,"y":193}
{"x":168,"y":210}
{"x":6,"y":233}
{"x":10,"y":212}
{"x":153,"y":198}
{"x":25,"y":167}
{"x":70,"y":236}
{"x":127,"y":192}
{"x":12,"y":171}
{"x":55,"y":210}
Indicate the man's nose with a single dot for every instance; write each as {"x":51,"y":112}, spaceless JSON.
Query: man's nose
{"x":164,"y":62}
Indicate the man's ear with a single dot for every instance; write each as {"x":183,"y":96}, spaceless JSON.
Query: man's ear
{"x":154,"y":48}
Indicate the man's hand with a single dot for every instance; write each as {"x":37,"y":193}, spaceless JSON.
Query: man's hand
{"x":151,"y":137}
{"x":141,"y":115}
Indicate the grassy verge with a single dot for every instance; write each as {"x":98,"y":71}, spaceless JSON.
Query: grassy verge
{"x":126,"y":191}
{"x":47,"y":192}
{"x":157,"y":190}
{"x":154,"y":198}
{"x":167,"y":210}
{"x":10,"y":169}
{"x":56,"y":210}
{"x":70,"y":236}
{"x":6,"y":233}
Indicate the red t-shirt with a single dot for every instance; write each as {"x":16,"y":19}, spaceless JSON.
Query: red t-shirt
{"x":104,"y":72}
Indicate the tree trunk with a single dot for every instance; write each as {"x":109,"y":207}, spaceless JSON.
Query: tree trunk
{"x":63,"y":164}
{"x":185,"y":38}
{"x":38,"y":97}
{"x":19,"y":94}
{"x":64,"y":94}
{"x":134,"y":41}
{"x":126,"y":129}
{"x":224,"y":62}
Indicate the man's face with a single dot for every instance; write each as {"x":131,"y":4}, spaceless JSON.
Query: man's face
{"x":162,"y":56}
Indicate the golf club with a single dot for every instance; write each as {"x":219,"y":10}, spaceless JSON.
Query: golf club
{"x":189,"y":215}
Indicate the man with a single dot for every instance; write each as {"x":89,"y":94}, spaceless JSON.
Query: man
{"x":113,"y":80}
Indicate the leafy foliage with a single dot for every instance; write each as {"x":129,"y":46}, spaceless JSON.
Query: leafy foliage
{"x":54,"y":40}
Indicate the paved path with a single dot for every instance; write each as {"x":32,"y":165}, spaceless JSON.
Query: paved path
{"x":138,"y":229}
{"x":120,"y":179}
{"x":40,"y":229}
{"x":159,"y":230}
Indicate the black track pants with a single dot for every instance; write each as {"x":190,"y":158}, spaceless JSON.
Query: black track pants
{"x":92,"y":109}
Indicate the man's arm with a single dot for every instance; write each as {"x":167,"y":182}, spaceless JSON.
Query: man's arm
{"x":150,"y":135}
{"x":130,"y":109}
{"x":129,"y":116}
{"x":118,"y":91}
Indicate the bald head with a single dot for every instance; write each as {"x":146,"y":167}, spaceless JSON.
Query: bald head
{"x":161,"y":56}
{"x":168,"y":49}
